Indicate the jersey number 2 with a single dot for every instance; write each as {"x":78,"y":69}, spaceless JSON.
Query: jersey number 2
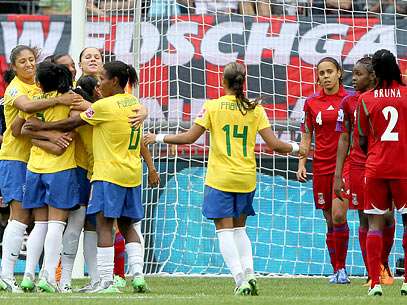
{"x":388,"y":134}
{"x":134,"y":139}
{"x":238,"y":135}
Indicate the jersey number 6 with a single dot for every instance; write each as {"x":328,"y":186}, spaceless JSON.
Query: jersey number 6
{"x":237,"y":135}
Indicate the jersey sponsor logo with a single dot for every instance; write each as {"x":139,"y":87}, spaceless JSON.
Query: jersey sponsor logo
{"x":321,"y":199}
{"x":13,"y":92}
{"x":341,"y":115}
{"x":89,"y":113}
{"x":330,"y":108}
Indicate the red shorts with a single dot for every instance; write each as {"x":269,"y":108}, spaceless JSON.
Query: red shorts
{"x":322,"y":186}
{"x":382,"y":193}
{"x":357,"y":188}
{"x":346,"y":180}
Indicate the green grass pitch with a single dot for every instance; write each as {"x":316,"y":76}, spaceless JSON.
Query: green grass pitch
{"x":214,"y":291}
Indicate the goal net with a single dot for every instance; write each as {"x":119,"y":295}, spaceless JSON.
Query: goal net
{"x":180,"y":49}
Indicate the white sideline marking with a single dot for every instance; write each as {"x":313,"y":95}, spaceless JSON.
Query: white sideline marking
{"x":90,"y":297}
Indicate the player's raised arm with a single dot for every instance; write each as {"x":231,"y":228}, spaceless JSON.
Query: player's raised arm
{"x":187,"y":137}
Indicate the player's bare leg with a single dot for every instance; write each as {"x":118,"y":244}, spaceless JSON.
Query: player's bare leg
{"x":341,"y":235}
{"x":374,"y":245}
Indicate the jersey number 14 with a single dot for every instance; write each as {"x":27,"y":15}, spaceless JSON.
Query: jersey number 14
{"x":134,"y":138}
{"x":237,"y":135}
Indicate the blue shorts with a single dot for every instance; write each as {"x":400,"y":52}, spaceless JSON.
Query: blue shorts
{"x":219,"y":204}
{"x":115,"y":201}
{"x":84,"y":185}
{"x":12,"y":180}
{"x":59,"y":190}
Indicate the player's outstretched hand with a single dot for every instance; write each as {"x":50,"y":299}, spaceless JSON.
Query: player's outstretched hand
{"x":33,"y":124}
{"x":140,"y":114}
{"x":302,"y":174}
{"x":149,"y":138}
{"x":339,"y":185}
{"x":69,"y":98}
{"x":81,"y":105}
{"x":153,"y":178}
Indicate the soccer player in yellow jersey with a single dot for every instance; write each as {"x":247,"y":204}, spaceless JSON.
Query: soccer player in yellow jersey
{"x":15,"y":152}
{"x":233,"y":122}
{"x":116,"y":179}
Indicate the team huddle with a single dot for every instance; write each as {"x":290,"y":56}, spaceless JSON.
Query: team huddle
{"x":71,"y":161}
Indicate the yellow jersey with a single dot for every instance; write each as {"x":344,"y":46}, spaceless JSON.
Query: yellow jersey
{"x":81,"y":156}
{"x":86,"y":135}
{"x":40,"y":161}
{"x":232,"y":163}
{"x":116,"y":146}
{"x":16,"y":148}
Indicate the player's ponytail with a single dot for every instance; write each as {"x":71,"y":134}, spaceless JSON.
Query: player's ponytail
{"x":86,"y":86}
{"x":53,"y":77}
{"x":235,"y":74}
{"x":124,"y":73}
{"x":386,"y":68}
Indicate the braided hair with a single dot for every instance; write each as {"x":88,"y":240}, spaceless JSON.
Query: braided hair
{"x":235,"y":74}
{"x":386,"y":68}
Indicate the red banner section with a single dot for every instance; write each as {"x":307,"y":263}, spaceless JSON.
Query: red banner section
{"x":181,"y":59}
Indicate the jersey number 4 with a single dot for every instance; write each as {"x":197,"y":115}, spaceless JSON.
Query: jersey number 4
{"x":134,"y":138}
{"x":390,"y":114}
{"x":236,"y":134}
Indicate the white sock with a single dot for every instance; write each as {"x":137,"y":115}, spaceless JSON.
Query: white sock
{"x":135,"y":258}
{"x":52,"y":248}
{"x":230,"y":254}
{"x":105,"y":259}
{"x":35,"y":245}
{"x":89,"y":253}
{"x":12,"y":240}
{"x":70,"y":241}
{"x":137,"y":227}
{"x":244,"y":247}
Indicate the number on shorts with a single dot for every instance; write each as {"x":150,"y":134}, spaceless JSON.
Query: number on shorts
{"x":388,"y":134}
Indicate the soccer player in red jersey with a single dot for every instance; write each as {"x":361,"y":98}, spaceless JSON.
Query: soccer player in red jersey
{"x":350,"y":172}
{"x":319,"y":117}
{"x":381,"y":115}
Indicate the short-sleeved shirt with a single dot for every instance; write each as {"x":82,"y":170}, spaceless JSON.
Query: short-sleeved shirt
{"x":232,"y":162}
{"x":16,"y":148}
{"x":382,"y":119}
{"x":116,"y":146}
{"x":43,"y":162}
{"x":320,"y":115}
{"x":346,"y":123}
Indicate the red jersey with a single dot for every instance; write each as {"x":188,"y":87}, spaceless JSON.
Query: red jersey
{"x":382,"y":119}
{"x":346,"y":123}
{"x":320,"y":115}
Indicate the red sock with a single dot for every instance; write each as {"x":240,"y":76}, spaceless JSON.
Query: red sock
{"x":341,"y":233}
{"x":119,"y":253}
{"x":362,"y":244}
{"x":388,"y":239}
{"x":405,"y":255}
{"x":374,"y":245}
{"x":330,"y":243}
